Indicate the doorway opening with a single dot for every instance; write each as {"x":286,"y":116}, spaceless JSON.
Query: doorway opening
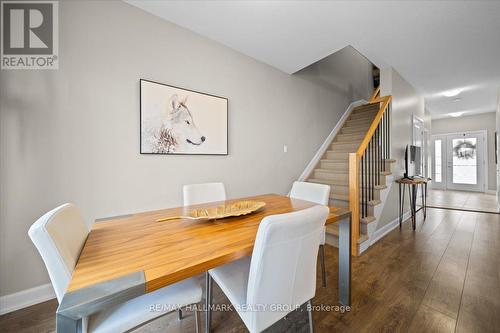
{"x":460,"y":172}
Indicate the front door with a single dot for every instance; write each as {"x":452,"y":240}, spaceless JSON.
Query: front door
{"x":466,"y":161}
{"x":458,"y":161}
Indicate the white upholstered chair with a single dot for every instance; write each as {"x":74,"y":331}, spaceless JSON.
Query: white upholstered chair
{"x":281,"y":271}
{"x":202,"y":193}
{"x":59,"y":236}
{"x":320,"y":194}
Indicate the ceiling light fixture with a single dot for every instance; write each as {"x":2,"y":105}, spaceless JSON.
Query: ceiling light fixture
{"x":452,"y":92}
{"x":455,"y":114}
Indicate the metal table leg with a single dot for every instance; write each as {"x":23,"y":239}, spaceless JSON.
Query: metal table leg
{"x":208,"y":317}
{"x":399,"y":203}
{"x":424,"y":198}
{"x":345,"y":261}
{"x":414,"y":189}
{"x":66,"y":324}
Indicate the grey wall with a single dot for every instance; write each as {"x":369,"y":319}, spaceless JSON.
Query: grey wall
{"x":346,"y":72}
{"x":406,"y":102}
{"x":484,"y":121}
{"x":498,"y":148}
{"x":72,"y":135}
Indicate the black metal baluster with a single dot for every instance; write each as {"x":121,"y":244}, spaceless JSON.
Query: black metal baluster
{"x":377,"y":174}
{"x":372,"y":174}
{"x":389,"y":109}
{"x":386,"y":136}
{"x":366,"y":182}
{"x":381,"y":143}
{"x":386,"y":116}
{"x":362,"y":188}
{"x":368,"y":168}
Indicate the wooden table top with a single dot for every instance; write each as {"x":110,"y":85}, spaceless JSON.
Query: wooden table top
{"x":168,"y":252}
{"x":412,"y":181}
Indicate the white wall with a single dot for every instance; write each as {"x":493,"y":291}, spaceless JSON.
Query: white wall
{"x":73,"y":134}
{"x":484,"y":121}
{"x":406,"y":102}
{"x":498,"y":148}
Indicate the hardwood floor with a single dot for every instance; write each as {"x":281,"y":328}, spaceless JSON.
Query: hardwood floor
{"x":444,"y":277}
{"x":462,"y":200}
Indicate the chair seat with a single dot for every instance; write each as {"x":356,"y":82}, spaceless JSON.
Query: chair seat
{"x":232,"y":278}
{"x":322,"y":240}
{"x":137,"y":311}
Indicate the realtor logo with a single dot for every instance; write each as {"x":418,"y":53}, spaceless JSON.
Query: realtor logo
{"x":30,"y":35}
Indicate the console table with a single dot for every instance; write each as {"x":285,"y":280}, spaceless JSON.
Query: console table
{"x":413,"y":184}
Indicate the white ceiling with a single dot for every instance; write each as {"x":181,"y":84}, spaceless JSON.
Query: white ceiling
{"x":435,"y":45}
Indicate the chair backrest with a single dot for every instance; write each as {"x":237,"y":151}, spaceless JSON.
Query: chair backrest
{"x":59,"y":236}
{"x":202,"y":193}
{"x":283,"y":264}
{"x":318,"y":193}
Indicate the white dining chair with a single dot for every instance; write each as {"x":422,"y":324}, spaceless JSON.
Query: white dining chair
{"x":320,"y":194}
{"x":281,"y":274}
{"x":59,"y":236}
{"x":195,"y":194}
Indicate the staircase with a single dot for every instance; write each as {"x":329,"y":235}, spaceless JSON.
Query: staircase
{"x":363,"y":138}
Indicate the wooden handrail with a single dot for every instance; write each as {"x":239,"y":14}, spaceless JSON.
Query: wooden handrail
{"x":376,"y":93}
{"x":354,"y":168}
{"x":385,"y":100}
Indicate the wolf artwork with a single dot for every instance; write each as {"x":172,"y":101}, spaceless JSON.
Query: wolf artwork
{"x":178,"y":130}
{"x":179,"y":121}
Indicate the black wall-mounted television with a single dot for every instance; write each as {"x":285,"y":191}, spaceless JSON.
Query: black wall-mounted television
{"x":413,"y":161}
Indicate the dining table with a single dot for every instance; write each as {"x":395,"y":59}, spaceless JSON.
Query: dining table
{"x":130,"y":255}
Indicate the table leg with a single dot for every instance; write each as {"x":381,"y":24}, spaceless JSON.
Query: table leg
{"x":65,"y":324}
{"x":410,"y":199}
{"x":424,"y":191}
{"x":345,"y":261}
{"x":208,"y":318}
{"x":399,"y":207}
{"x":414,"y":201}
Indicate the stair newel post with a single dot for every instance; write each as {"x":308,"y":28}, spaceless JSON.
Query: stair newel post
{"x":354,"y":160}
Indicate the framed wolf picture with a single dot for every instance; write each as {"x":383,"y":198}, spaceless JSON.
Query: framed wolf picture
{"x":181,"y":121}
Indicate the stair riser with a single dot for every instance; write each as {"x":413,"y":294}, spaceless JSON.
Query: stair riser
{"x":339,"y":176}
{"x":345,"y":145}
{"x":334,"y":166}
{"x":371,"y":211}
{"x":358,"y":122}
{"x":365,"y":110}
{"x":337,"y":156}
{"x":345,"y":149}
{"x":339,"y":203}
{"x":358,"y":116}
{"x":353,"y":130}
{"x":350,"y":138}
{"x":363,"y":127}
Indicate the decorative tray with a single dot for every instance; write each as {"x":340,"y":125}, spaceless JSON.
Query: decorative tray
{"x":237,"y":208}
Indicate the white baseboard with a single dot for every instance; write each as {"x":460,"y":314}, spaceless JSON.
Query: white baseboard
{"x":321,"y":151}
{"x":380,"y":233}
{"x":491,"y":192}
{"x":25,"y":298}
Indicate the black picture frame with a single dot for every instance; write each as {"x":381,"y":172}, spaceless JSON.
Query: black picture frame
{"x":188,"y":90}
